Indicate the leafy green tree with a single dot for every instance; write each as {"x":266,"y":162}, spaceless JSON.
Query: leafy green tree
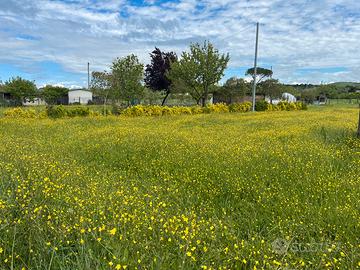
{"x":21,"y":89}
{"x":309,"y":95}
{"x":101,"y":85}
{"x":234,"y":88}
{"x":328,"y":90}
{"x":261,"y":73}
{"x":155,"y":72}
{"x":127,"y":75}
{"x":51,"y":94}
{"x":271,"y":88}
{"x":291,"y":90}
{"x":199,"y":70}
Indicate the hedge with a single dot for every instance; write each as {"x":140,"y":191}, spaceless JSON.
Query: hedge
{"x":153,"y":110}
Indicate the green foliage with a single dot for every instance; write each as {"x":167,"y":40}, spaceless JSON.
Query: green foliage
{"x":234,"y":88}
{"x":52,"y":94}
{"x":206,"y":192}
{"x":62,"y":111}
{"x":261,"y":73}
{"x":127,"y":75}
{"x":155,"y":110}
{"x":271,"y":88}
{"x":21,"y":89}
{"x":56,"y":111}
{"x":261,"y":105}
{"x":198,"y":71}
{"x":101,"y":85}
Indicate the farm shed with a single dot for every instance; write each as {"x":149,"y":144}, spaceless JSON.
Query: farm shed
{"x":81,"y":96}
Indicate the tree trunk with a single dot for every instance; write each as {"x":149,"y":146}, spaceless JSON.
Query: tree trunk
{"x":203,"y":101}
{"x":204,"y":98}
{"x":163,"y":102}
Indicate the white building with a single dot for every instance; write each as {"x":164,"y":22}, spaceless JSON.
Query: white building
{"x":80,"y":96}
{"x":288,"y":97}
{"x":284,"y":97}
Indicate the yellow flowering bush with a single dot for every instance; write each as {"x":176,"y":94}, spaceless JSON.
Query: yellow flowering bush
{"x":19,"y":112}
{"x":144,"y":110}
{"x":240,"y":107}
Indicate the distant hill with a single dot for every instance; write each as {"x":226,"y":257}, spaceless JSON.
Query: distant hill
{"x":344,"y":84}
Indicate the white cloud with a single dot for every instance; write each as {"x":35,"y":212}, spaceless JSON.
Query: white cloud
{"x":294,"y":34}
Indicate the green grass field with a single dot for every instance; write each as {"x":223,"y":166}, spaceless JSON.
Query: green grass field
{"x":273,"y":190}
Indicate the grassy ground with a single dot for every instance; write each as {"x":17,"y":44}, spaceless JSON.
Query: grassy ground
{"x":274,"y":190}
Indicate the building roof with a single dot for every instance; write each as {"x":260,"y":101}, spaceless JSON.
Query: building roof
{"x":79,"y":89}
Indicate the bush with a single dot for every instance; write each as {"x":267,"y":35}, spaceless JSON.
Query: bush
{"x":240,"y":107}
{"x":21,"y":113}
{"x":261,"y":105}
{"x":56,"y":111}
{"x":151,"y":110}
{"x":301,"y":106}
{"x":216,"y":108}
{"x":286,"y":106}
{"x":61,"y":111}
{"x":116,"y":110}
{"x":196,"y":110}
{"x":78,"y":111}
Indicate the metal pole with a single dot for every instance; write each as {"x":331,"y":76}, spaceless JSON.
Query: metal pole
{"x":255,"y":67}
{"x":88,"y":75}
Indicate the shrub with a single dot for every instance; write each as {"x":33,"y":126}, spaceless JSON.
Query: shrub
{"x":56,"y":111}
{"x":115,"y":109}
{"x":240,"y":107}
{"x":61,"y":111}
{"x":216,"y":108}
{"x":183,"y":110}
{"x":137,"y":110}
{"x":301,"y":106}
{"x":20,"y":113}
{"x":78,"y":111}
{"x":196,"y":110}
{"x":261,"y":105}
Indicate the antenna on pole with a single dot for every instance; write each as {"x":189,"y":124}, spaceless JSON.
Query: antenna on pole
{"x":88,"y":69}
{"x":255,"y":67}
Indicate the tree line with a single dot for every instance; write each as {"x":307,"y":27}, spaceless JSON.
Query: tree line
{"x":197,"y":73}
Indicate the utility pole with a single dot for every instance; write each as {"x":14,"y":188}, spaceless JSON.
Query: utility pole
{"x":255,"y":67}
{"x":88,"y":68}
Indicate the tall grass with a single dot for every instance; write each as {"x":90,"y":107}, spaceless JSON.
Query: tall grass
{"x":271,"y":190}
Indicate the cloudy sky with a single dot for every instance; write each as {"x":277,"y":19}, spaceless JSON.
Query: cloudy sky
{"x":51,"y":41}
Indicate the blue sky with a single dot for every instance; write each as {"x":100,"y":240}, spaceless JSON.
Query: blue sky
{"x":51,"y":41}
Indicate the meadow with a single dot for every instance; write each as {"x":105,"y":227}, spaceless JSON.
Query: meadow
{"x":266,"y":190}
